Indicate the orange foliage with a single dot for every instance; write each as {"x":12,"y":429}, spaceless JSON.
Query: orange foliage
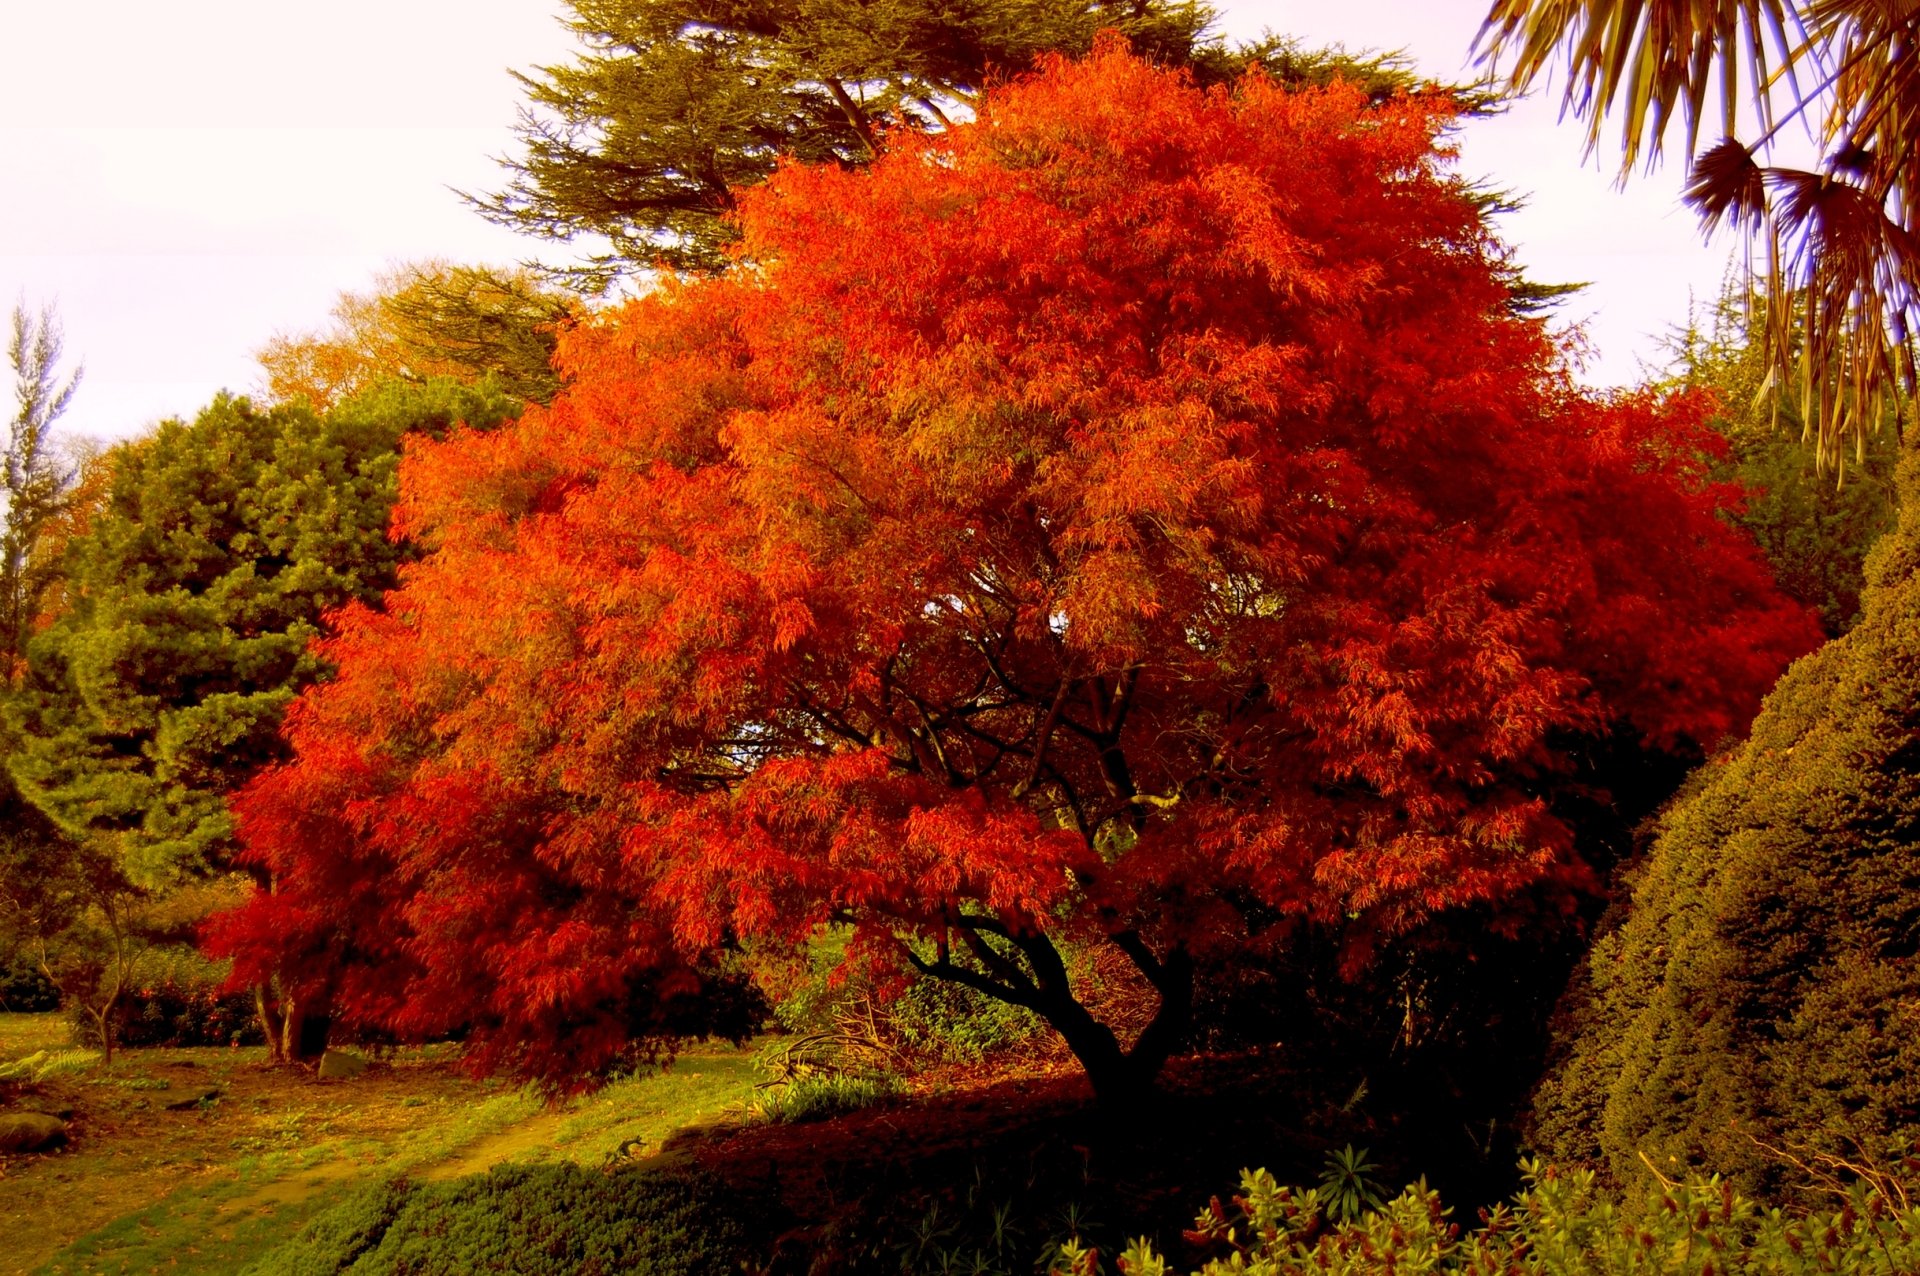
{"x":1138,"y":516}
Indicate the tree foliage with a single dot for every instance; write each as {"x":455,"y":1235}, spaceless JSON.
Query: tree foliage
{"x":1814,"y":531}
{"x":1841,"y":243}
{"x":430,"y":319}
{"x":642,"y":144}
{"x":1138,"y":519}
{"x":1758,"y":1001}
{"x":36,"y":479}
{"x":190,"y":597}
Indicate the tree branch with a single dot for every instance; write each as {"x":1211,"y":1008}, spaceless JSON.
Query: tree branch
{"x":855,"y":116}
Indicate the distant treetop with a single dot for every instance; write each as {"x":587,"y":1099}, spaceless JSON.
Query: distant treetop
{"x":639,"y":144}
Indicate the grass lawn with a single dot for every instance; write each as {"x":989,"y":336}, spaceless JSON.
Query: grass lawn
{"x":252,"y":1151}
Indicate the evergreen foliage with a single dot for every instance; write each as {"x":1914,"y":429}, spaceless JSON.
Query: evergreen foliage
{"x":33,"y":480}
{"x":1763,"y":991}
{"x":522,"y":1219}
{"x":190,"y":600}
{"x":643,"y":141}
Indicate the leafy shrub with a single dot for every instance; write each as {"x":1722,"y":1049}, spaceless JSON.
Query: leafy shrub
{"x":1559,"y":1224}
{"x":522,"y":1219}
{"x":1761,"y":997}
{"x":875,"y":1015}
{"x":167,"y":1013}
{"x":945,"y":1022}
{"x":25,"y":988}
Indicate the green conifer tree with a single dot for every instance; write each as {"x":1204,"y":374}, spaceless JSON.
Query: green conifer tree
{"x":638,"y":144}
{"x":190,"y":602}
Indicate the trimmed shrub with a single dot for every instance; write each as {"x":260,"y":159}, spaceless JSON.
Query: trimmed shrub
{"x":521,"y":1219}
{"x":1760,"y":1000}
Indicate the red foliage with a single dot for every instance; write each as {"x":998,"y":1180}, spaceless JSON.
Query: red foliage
{"x":1135,"y":513}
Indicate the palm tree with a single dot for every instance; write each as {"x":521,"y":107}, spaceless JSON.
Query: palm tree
{"x":1841,"y":241}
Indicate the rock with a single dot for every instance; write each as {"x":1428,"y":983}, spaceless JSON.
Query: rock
{"x":187,"y":1105}
{"x":61,"y":1113}
{"x":338,"y":1065}
{"x":30,"y":1132}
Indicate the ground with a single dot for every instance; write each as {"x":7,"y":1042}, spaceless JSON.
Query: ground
{"x":972,"y":1172}
{"x":256,"y":1150}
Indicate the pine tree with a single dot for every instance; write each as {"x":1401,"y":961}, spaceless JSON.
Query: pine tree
{"x":642,"y":143}
{"x":35,"y":480}
{"x":190,"y":599}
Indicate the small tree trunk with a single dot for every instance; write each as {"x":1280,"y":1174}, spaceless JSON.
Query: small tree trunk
{"x":103,"y":1019}
{"x":289,"y":1027}
{"x":269,"y":1025}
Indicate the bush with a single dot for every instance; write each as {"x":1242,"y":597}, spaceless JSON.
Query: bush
{"x":1558,"y":1224}
{"x":876,"y":1015}
{"x":1761,"y":997}
{"x":522,"y":1219}
{"x":25,"y":989}
{"x":177,"y":1002}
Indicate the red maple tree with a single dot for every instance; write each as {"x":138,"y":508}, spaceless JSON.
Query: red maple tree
{"x":1138,"y":518}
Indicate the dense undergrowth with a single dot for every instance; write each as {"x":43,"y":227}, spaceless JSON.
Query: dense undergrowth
{"x":562,"y":1218}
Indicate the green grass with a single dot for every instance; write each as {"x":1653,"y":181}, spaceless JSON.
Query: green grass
{"x":700,"y":1089}
{"x":224,"y":1220}
{"x":227,"y":1220}
{"x":21,"y":1035}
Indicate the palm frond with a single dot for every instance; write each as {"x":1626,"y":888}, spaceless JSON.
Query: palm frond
{"x":1841,"y":273}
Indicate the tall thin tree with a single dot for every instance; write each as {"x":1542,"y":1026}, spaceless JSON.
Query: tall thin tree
{"x":36,"y":478}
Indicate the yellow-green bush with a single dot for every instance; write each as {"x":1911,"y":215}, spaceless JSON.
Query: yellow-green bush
{"x":1760,"y":1001}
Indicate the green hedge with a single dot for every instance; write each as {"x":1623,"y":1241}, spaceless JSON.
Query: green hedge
{"x":522,"y":1220}
{"x":1760,"y":1003}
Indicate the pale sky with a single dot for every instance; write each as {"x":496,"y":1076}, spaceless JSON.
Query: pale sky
{"x":185,"y":180}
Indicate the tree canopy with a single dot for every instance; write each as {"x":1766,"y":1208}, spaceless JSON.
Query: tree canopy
{"x":33,"y":472}
{"x":1136,"y":519}
{"x":1814,"y":532}
{"x":189,"y":600}
{"x":641,"y":145}
{"x":430,"y":319}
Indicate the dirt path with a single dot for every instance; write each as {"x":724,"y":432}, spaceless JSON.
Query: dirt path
{"x":521,"y":1141}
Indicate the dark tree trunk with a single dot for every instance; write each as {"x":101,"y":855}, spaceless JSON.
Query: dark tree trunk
{"x":1122,"y":1080}
{"x":305,"y":1030}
